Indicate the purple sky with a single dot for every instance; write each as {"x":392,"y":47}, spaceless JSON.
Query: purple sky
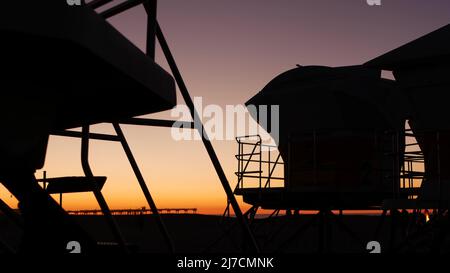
{"x":239,"y":45}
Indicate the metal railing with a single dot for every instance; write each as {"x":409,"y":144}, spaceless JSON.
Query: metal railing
{"x":251,"y":152}
{"x":413,"y":169}
{"x":258,"y":163}
{"x":133,"y":212}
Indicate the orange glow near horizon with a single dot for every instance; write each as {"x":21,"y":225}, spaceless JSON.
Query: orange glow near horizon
{"x":178,"y":173}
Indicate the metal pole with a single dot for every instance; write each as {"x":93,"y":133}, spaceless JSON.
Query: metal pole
{"x":156,"y":122}
{"x":144,"y":187}
{"x":98,"y":195}
{"x":209,"y":148}
{"x":66,"y":133}
{"x":150,"y":7}
{"x":45,"y":180}
{"x":241,"y":161}
{"x":260,"y":167}
{"x":239,"y":164}
{"x":268,"y":168}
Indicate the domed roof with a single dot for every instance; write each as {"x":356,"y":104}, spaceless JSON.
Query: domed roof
{"x":327,"y":97}
{"x":318,"y":75}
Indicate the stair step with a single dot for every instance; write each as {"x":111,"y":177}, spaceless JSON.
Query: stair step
{"x":73,"y":184}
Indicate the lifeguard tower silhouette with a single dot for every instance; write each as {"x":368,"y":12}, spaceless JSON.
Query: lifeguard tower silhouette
{"x":66,"y":67}
{"x":342,"y":140}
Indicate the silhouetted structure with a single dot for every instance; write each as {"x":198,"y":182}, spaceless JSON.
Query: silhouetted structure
{"x":342,"y":135}
{"x":135,"y":211}
{"x":66,"y":67}
{"x":333,"y":136}
{"x":342,"y":142}
{"x":422,"y":69}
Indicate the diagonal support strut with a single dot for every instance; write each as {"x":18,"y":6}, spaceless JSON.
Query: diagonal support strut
{"x":206,"y":142}
{"x":144,"y":187}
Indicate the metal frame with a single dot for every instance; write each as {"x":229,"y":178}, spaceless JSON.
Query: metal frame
{"x":400,"y":174}
{"x":154,"y":31}
{"x":244,"y":159}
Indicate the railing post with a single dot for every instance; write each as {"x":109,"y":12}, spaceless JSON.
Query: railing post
{"x":260,"y":164}
{"x":242,"y":165}
{"x":240,"y":178}
{"x":268,"y":168}
{"x":45,"y":180}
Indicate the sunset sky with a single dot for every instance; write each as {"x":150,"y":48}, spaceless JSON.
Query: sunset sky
{"x":227,"y":51}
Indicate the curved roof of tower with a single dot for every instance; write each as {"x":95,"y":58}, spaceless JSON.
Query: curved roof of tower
{"x":431,"y":49}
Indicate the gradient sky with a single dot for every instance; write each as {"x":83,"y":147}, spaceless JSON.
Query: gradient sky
{"x":227,"y":51}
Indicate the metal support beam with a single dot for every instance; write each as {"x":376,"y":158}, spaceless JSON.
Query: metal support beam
{"x":80,"y":135}
{"x":206,"y":142}
{"x":151,"y":7}
{"x":156,"y":122}
{"x":98,"y":195}
{"x":144,"y":187}
{"x":120,"y":8}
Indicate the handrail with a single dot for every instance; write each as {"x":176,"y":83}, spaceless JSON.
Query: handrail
{"x":271,"y":172}
{"x":415,"y":156}
{"x":242,"y":173}
{"x":246,"y":158}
